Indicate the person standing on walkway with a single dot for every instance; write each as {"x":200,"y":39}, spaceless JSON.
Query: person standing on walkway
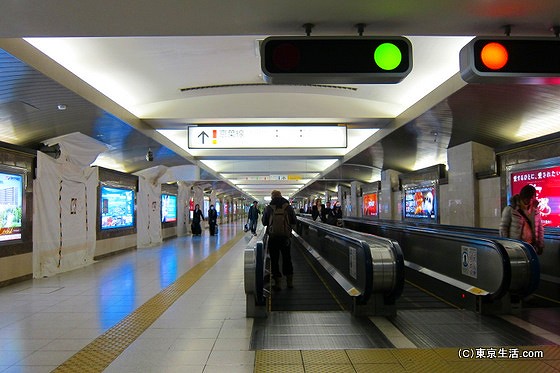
{"x":279,"y":218}
{"x":318,"y":210}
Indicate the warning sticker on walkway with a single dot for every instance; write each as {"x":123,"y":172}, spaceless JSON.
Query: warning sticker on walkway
{"x":469,"y":261}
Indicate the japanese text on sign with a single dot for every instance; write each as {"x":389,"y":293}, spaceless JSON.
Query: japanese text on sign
{"x":224,"y":137}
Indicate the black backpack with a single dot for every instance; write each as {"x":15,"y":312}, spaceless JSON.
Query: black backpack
{"x":279,"y":222}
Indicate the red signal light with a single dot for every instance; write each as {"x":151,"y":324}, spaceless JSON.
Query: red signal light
{"x":494,"y":56}
{"x":510,"y":60}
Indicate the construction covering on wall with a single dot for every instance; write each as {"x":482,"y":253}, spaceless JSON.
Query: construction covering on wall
{"x":64,"y":216}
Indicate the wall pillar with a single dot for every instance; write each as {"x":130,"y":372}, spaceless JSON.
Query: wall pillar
{"x":389,"y":198}
{"x":352,"y":207}
{"x":464,"y":162}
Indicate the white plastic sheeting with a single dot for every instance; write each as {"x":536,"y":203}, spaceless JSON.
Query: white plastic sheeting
{"x":78,"y":148}
{"x":149,"y":232}
{"x":183,"y":198}
{"x":148,"y":221}
{"x":65,"y":204}
{"x":64,"y":216}
{"x":148,"y":215}
{"x":181,"y":173}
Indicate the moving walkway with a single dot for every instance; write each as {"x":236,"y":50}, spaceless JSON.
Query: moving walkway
{"x":481,"y":273}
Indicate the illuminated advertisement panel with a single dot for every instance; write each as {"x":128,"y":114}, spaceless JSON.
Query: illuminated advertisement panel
{"x":168,"y":208}
{"x":370,"y":204}
{"x":11,"y":206}
{"x":117,"y":207}
{"x":420,"y":202}
{"x":547,"y":183}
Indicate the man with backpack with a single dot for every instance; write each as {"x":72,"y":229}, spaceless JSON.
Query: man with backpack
{"x":279,"y":218}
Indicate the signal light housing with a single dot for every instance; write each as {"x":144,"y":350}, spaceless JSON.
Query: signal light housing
{"x":325,"y":60}
{"x":522,"y":60}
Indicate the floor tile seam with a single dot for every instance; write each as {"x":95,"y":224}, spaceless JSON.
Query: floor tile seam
{"x":214,"y":344}
{"x":109,"y":334}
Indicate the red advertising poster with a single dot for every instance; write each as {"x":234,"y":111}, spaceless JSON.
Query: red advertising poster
{"x":547,"y":183}
{"x":370,"y":204}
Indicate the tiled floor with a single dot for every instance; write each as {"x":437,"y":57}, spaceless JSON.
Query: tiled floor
{"x":44,"y":322}
{"x":180,"y":307}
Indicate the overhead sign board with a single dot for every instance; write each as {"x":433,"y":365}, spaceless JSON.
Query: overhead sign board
{"x":272,"y":177}
{"x":257,"y":137}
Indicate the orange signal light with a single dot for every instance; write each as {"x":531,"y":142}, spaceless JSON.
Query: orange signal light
{"x":494,"y":56}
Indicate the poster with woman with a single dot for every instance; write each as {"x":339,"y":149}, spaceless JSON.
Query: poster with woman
{"x":547,"y":183}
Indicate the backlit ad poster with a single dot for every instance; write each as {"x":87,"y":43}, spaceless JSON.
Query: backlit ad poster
{"x":547,"y":183}
{"x":370,"y":204}
{"x":168,"y":208}
{"x":11,"y":204}
{"x":420,"y":202}
{"x":117,"y":207}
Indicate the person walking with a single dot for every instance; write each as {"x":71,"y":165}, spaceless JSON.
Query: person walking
{"x":212,"y":220}
{"x":253,"y":216}
{"x":279,"y":218}
{"x":197,"y":217}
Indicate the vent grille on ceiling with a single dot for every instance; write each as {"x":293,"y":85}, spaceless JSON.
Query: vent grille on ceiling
{"x":264,"y":84}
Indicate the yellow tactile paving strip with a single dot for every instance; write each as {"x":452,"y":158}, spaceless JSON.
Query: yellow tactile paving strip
{"x":101,"y":352}
{"x":404,"y":360}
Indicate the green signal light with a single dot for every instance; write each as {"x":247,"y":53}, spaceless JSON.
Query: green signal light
{"x":387,"y":56}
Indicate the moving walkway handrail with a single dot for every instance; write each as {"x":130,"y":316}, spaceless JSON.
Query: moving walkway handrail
{"x":524,"y":261}
{"x":522,"y":266}
{"x":254,"y":274}
{"x":549,"y":233}
{"x":372,"y":264}
{"x":518,"y":264}
{"x":544,"y":268}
